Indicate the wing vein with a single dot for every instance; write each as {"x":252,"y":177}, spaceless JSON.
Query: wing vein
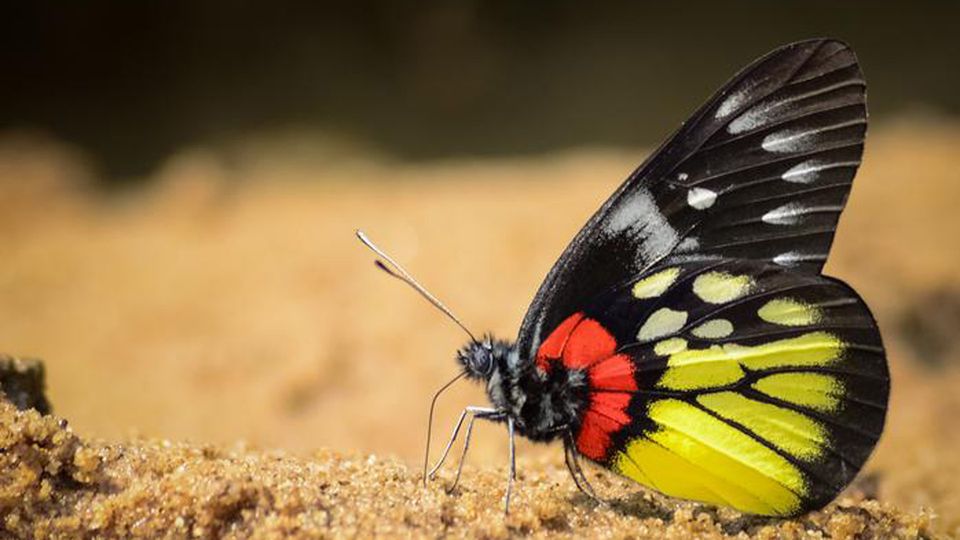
{"x":782,"y":453}
{"x":792,"y":157}
{"x":783,"y":122}
{"x":723,"y":451}
{"x":760,"y":396}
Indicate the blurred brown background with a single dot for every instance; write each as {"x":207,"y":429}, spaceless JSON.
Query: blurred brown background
{"x":179,"y":184}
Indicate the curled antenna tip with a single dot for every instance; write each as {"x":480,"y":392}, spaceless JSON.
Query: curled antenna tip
{"x":393,"y":268}
{"x":383,"y":266}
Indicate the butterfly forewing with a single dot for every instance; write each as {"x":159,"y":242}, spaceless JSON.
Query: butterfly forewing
{"x":722,"y":366}
{"x":761,"y":171}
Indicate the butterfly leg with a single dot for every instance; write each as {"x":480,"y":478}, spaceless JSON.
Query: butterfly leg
{"x":571,"y":456}
{"x":472,"y":411}
{"x":484,"y":414}
{"x":513,"y":465}
{"x":478,"y":412}
{"x":574,"y":471}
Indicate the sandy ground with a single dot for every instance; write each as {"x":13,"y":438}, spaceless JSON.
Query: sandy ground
{"x":58,"y":485}
{"x":228,"y":307}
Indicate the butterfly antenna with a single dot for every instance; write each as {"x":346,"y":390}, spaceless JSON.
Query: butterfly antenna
{"x":393,"y":268}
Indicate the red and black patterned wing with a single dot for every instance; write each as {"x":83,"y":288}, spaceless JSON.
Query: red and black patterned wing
{"x":760,"y":172}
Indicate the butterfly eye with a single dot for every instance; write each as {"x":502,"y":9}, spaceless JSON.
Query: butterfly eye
{"x":477,"y":359}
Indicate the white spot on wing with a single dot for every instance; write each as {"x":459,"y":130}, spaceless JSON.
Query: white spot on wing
{"x":628,"y":213}
{"x":749,"y":120}
{"x":692,"y":257}
{"x":788,"y":214}
{"x":798,"y":140}
{"x":701,"y":198}
{"x":639,"y":216}
{"x":790,"y":258}
{"x":670,"y":346}
{"x":793,"y":258}
{"x":788,"y":141}
{"x":808,"y":171}
{"x":765,"y":114}
{"x":732,"y":103}
{"x":792,"y":213}
{"x":688,"y":244}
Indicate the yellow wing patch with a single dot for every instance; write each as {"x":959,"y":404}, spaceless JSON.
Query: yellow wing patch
{"x":789,"y":312}
{"x":814,"y":390}
{"x":692,"y":369}
{"x":751,"y":388}
{"x":670,"y":346}
{"x":790,"y":431}
{"x":656,"y":284}
{"x":721,"y":287}
{"x":806,"y":350}
{"x":697,"y":456}
{"x":678,"y":477}
{"x":720,"y":365}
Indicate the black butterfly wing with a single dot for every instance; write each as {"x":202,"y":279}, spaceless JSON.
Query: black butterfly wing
{"x":760,"y":172}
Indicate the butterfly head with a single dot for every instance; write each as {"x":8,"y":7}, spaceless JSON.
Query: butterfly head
{"x":480,"y":358}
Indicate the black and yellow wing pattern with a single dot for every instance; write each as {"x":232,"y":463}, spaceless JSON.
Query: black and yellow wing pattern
{"x":757,"y":387}
{"x":724,"y":367}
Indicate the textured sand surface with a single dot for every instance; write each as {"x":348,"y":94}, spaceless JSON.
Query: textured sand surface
{"x":228,"y":303}
{"x":55,"y":484}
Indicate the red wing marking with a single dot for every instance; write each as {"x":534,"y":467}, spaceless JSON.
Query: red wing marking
{"x":605,"y":415}
{"x":583,"y":343}
{"x":553,"y":346}
{"x":611,"y":406}
{"x":614,"y":373}
{"x":589,"y":343}
{"x":594,"y":438}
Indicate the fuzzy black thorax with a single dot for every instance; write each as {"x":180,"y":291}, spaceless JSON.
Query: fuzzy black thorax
{"x":542,"y":405}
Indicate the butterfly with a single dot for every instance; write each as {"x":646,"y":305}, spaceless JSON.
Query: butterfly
{"x":686,"y":338}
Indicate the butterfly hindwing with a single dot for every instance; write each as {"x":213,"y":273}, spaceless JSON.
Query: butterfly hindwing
{"x":738,"y":383}
{"x":760,"y":172}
